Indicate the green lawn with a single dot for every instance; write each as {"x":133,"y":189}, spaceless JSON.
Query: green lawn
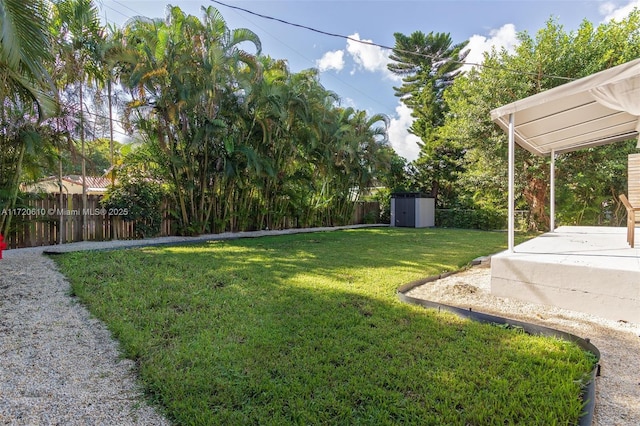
{"x":307,"y":329}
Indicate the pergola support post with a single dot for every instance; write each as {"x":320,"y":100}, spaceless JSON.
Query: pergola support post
{"x":552,"y":193}
{"x":511,"y":210}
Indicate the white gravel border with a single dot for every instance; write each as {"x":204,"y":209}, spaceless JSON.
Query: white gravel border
{"x":58,"y":365}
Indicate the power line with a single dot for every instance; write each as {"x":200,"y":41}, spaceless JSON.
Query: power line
{"x":370,"y":43}
{"x":126,"y":7}
{"x":102,"y":4}
{"x":332,"y":76}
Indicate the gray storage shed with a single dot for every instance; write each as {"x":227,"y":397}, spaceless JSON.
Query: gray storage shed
{"x":413,"y":210}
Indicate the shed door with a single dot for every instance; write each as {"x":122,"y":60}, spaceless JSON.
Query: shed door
{"x":405,"y":212}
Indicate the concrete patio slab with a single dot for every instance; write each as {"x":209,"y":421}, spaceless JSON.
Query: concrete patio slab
{"x":584,"y":269}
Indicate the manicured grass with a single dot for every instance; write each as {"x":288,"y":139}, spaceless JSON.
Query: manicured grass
{"x":307,"y":329}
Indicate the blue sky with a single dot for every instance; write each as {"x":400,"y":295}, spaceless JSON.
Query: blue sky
{"x":357,"y":72}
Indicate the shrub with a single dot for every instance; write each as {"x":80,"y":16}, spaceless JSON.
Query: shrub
{"x":139,"y":200}
{"x":383,"y":197}
{"x":485,"y":219}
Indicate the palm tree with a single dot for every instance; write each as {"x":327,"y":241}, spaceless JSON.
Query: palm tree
{"x":25,"y":90}
{"x":79,"y":34}
{"x":243,"y":141}
{"x":187,"y":71}
{"x":111,"y":56}
{"x":268,"y":119}
{"x":24,"y":50}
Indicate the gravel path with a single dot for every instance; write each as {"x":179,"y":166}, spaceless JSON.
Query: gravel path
{"x":58,"y":365}
{"x":618,"y":387}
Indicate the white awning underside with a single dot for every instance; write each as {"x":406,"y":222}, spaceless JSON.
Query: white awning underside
{"x":595,"y":110}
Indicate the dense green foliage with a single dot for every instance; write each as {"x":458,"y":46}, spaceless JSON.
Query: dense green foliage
{"x":588,"y":181}
{"x":485,"y":218}
{"x":26,"y":97}
{"x":239,"y":140}
{"x":307,"y":329}
{"x":139,"y":200}
{"x":242,"y":142}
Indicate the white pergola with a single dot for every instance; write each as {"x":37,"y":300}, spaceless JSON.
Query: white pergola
{"x":595,"y":110}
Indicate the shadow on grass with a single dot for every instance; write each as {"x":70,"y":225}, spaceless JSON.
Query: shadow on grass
{"x":306,"y":329}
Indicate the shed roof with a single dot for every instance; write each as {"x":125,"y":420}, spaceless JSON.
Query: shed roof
{"x":595,"y":110}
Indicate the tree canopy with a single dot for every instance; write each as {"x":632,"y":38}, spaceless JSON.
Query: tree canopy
{"x":429,"y":64}
{"x":589,"y":180}
{"x":27,"y":95}
{"x":241,"y":142}
{"x":236,"y":139}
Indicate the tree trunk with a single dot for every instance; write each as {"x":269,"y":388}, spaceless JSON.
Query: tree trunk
{"x":84,"y":167}
{"x":61,"y":200}
{"x":536,"y":195}
{"x":435,"y":190}
{"x":112,"y":161}
{"x":4,"y":226}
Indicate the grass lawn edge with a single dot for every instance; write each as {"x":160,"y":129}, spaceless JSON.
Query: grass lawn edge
{"x":392,"y":291}
{"x":589,"y":391}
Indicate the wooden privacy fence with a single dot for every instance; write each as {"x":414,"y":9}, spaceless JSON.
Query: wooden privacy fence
{"x":50,"y":220}
{"x":366,"y":212}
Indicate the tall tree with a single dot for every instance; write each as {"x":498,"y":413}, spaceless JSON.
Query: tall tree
{"x":24,"y":51}
{"x":26,"y":91}
{"x":243,"y":142}
{"x":187,"y":70}
{"x":428,"y":64}
{"x":111,"y":55}
{"x":588,"y":181}
{"x":79,"y":34}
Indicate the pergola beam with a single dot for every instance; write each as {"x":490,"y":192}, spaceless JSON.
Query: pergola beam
{"x":596,"y":110}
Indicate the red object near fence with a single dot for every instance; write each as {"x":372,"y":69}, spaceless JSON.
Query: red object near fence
{"x":3,"y":245}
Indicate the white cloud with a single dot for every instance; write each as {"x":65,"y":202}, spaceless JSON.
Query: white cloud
{"x":371,"y":58}
{"x":503,"y":37}
{"x":606,"y":8}
{"x":349,"y":102}
{"x":403,"y":142}
{"x":613,"y":12}
{"x":331,"y":60}
{"x":365,"y":56}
